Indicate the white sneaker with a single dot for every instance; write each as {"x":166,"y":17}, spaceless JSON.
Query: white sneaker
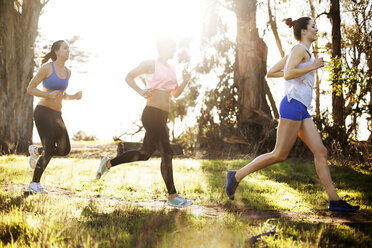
{"x":36,"y":188}
{"x":34,"y":156}
{"x":102,"y":169}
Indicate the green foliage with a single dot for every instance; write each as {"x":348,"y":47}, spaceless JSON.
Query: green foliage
{"x":219,"y":111}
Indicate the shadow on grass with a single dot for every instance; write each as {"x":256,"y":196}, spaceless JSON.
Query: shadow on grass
{"x":296,"y":175}
{"x":126,"y":227}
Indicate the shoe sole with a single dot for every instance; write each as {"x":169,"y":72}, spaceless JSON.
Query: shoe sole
{"x":183,"y":206}
{"x":343,"y":209}
{"x":30,"y":150}
{"x":31,"y":164}
{"x":231,"y":197}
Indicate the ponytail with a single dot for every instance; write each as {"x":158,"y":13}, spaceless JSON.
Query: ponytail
{"x":298,"y":25}
{"x":52,"y":54}
{"x":289,"y":22}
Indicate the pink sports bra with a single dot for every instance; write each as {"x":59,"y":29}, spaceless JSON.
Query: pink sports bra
{"x":163,"y":78}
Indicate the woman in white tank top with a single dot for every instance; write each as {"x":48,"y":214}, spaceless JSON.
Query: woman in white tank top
{"x":298,"y":69}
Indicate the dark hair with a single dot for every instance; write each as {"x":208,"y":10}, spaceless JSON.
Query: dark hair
{"x":298,"y":25}
{"x":52,"y":55}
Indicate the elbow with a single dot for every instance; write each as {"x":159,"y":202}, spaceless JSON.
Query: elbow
{"x":128,"y":78}
{"x":287,"y":76}
{"x":29,"y":90}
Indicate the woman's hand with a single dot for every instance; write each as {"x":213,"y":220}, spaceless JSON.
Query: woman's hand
{"x":78,"y":95}
{"x":318,"y":62}
{"x":56,"y":94}
{"x":146,"y":93}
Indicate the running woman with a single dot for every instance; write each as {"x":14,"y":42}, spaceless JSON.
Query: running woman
{"x":48,"y":119}
{"x":161,"y":84}
{"x":298,"y":70}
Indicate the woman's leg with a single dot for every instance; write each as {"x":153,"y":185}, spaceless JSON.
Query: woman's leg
{"x":310,"y":136}
{"x":166,"y":166}
{"x":45,"y":124}
{"x":286,"y":137}
{"x":147,"y":149}
{"x":149,"y":144}
{"x":63,"y":146}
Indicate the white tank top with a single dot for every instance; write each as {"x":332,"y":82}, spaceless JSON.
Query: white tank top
{"x":301,"y":88}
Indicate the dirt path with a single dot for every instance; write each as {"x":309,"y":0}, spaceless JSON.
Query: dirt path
{"x":199,"y":210}
{"x":210,"y":211}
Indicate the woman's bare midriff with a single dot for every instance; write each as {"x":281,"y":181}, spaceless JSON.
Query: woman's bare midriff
{"x":55,"y":104}
{"x":159,"y":99}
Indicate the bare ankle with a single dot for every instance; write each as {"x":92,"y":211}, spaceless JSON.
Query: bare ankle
{"x":108,"y":164}
{"x":172,"y":196}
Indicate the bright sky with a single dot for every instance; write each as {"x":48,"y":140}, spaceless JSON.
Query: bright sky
{"x":119,"y":34}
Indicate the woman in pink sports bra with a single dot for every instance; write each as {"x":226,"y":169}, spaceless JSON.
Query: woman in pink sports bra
{"x":161,"y":84}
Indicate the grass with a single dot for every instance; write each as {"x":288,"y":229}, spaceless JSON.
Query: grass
{"x":83,"y":212}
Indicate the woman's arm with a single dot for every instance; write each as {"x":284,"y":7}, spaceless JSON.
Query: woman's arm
{"x":277,"y":69}
{"x":177,"y":91}
{"x":76,"y":96}
{"x":36,"y":80}
{"x":145,"y":67}
{"x":294,"y":59}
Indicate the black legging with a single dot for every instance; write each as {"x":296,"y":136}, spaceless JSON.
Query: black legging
{"x":53,"y":136}
{"x":154,"y":120}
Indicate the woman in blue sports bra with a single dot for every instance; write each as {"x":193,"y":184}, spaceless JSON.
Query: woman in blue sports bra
{"x":48,"y":119}
{"x":298,"y":69}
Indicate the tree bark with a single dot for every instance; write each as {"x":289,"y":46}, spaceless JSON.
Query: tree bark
{"x":317,"y":80}
{"x":249,"y":74}
{"x":338,"y":102}
{"x":17,"y":37}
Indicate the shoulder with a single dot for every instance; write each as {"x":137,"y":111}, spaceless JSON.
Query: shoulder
{"x":147,"y":65}
{"x":46,"y":69}
{"x":298,"y":49}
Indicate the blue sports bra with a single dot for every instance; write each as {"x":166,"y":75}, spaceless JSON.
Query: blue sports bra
{"x":53,"y":82}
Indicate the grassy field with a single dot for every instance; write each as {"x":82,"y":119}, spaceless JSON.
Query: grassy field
{"x":281,"y":206}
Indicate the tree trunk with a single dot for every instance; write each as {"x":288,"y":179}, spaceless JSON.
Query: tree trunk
{"x":274,"y":28}
{"x":317,"y":80}
{"x":337,"y":88}
{"x":17,"y":37}
{"x":249,"y":75}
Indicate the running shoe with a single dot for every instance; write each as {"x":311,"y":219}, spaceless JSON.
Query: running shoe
{"x":34,"y":156}
{"x":179,"y":202}
{"x":341,"y":205}
{"x":36,"y":188}
{"x":231,"y":185}
{"x":102,"y":167}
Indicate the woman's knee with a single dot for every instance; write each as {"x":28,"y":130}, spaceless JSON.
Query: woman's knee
{"x":279,"y":156}
{"x":321,"y":152}
{"x":144,"y":155}
{"x":63,"y":151}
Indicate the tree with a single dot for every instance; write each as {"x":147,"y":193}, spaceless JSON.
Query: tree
{"x":18,"y":21}
{"x":249,"y":74}
{"x":338,"y":101}
{"x":357,"y":61}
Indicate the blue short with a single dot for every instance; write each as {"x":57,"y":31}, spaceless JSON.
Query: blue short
{"x":293,"y":110}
